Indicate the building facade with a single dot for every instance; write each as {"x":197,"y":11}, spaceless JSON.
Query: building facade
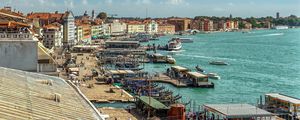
{"x":52,"y":36}
{"x":181,"y":24}
{"x":202,"y":25}
{"x":69,"y":29}
{"x":96,"y":31}
{"x":117,"y":28}
{"x":135,"y":28}
{"x":152,"y":27}
{"x":86,"y":33}
{"x":18,"y":48}
{"x":166,"y":28}
{"x":78,"y":33}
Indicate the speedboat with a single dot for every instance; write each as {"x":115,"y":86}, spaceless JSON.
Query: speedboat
{"x":213,"y":76}
{"x":199,"y":69}
{"x":174,"y":45}
{"x":186,"y":40}
{"x":183,"y":40}
{"x":218,"y":63}
{"x":170,"y":60}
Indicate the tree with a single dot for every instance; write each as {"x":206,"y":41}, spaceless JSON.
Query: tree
{"x":102,"y":15}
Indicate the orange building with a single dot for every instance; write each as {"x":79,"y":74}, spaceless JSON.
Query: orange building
{"x":166,"y":28}
{"x":181,"y":24}
{"x":202,"y":24}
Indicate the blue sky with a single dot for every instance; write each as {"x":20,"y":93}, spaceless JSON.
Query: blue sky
{"x":163,"y":8}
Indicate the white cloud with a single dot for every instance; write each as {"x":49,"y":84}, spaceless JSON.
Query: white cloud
{"x":42,"y":2}
{"x":108,"y":1}
{"x":69,"y":3}
{"x":176,"y":2}
{"x":231,"y":4}
{"x":143,"y":2}
{"x":85,"y":2}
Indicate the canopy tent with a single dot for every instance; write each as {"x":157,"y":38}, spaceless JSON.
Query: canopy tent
{"x":153,"y":102}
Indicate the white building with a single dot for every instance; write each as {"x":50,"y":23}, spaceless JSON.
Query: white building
{"x":52,"y":35}
{"x":117,"y":28}
{"x":69,"y":29}
{"x":105,"y":29}
{"x":135,"y":28}
{"x":152,"y":27}
{"x":96,"y":31}
{"x":18,"y":50}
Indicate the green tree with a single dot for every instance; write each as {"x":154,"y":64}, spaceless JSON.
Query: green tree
{"x":102,"y":15}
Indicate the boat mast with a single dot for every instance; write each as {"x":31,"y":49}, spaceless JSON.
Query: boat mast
{"x":149,"y":96}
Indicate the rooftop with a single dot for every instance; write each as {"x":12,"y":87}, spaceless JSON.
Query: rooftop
{"x":284,"y":98}
{"x":197,"y":74}
{"x":26,"y":95}
{"x":237,"y":110}
{"x":153,"y":102}
{"x":179,"y":68}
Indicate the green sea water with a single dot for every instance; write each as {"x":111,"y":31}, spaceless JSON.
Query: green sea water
{"x":261,"y":61}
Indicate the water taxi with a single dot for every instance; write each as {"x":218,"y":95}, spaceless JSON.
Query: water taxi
{"x":159,"y":58}
{"x":174,"y":45}
{"x":218,"y":63}
{"x":213,"y":76}
{"x":183,"y":40}
{"x":196,"y":79}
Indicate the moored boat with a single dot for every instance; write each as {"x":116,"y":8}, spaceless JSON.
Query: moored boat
{"x":213,"y":76}
{"x":174,"y":45}
{"x":218,"y":63}
{"x":199,"y":69}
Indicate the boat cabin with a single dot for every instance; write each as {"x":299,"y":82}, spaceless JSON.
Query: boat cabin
{"x":121,"y":74}
{"x":288,"y":107}
{"x":235,"y":112}
{"x":122,"y":44}
{"x":197,"y":79}
{"x":177,"y":71}
{"x":126,"y":74}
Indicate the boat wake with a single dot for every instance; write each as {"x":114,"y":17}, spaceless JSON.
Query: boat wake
{"x":268,"y":35}
{"x":273,"y":34}
{"x":207,"y":57}
{"x":178,"y":51}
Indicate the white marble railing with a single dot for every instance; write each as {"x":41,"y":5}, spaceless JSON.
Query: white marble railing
{"x":15,"y":36}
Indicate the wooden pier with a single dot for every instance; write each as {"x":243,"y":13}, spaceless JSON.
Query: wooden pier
{"x":166,"y":79}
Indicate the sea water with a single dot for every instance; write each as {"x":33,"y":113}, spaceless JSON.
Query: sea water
{"x":261,"y":61}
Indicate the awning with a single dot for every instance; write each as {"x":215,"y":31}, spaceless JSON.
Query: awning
{"x":154,"y":103}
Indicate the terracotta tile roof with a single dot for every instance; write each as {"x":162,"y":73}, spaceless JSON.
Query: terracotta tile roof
{"x":13,"y":24}
{"x":13,"y":14}
{"x":46,"y":16}
{"x":51,"y":26}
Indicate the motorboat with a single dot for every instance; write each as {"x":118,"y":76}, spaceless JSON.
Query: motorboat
{"x":218,"y":63}
{"x":199,"y":69}
{"x":213,"y":76}
{"x":174,"y":45}
{"x":171,"y":60}
{"x":184,"y":40}
{"x":159,"y":58}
